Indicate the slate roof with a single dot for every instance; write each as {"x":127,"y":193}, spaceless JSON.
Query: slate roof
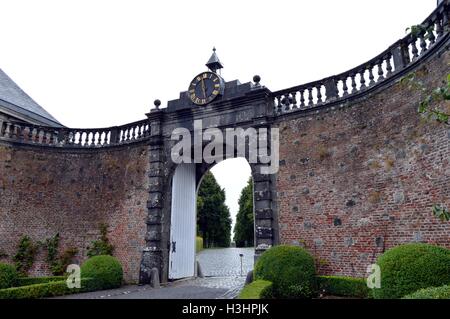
{"x":15,"y":102}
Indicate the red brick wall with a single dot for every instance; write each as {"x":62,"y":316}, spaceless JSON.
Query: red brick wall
{"x":361,"y":179}
{"x":46,"y":191}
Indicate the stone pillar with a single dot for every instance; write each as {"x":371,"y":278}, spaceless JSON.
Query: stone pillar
{"x":401,"y":56}
{"x":262,"y":201}
{"x":152,"y":253}
{"x":263,"y":189}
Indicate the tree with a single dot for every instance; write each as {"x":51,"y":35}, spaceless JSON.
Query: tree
{"x":213,"y":215}
{"x":244,"y":228}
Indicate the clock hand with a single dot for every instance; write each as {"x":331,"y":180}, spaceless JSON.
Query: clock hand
{"x":203,"y":88}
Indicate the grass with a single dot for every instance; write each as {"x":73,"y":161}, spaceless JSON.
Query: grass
{"x":254,"y":290}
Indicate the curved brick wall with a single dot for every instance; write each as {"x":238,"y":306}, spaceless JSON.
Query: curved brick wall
{"x":359,"y":170}
{"x":44,"y":191}
{"x":356,"y":181}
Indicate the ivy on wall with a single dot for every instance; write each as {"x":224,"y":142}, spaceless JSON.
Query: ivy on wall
{"x":102,"y":245}
{"x":26,"y":252}
{"x":58,"y":264}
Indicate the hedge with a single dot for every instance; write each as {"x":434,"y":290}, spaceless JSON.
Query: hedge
{"x":105,"y":269}
{"x":27,"y":281}
{"x":8,"y":276}
{"x":258,"y":289}
{"x":50,"y":289}
{"x":408,"y":268}
{"x":442,"y":292}
{"x":198,"y":244}
{"x":344,"y":286}
{"x":291,"y":269}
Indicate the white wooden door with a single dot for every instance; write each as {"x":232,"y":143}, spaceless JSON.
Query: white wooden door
{"x":183,"y":223}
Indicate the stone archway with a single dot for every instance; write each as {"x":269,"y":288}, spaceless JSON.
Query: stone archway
{"x":253,"y":114}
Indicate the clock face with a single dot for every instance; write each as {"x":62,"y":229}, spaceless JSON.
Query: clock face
{"x":205,"y":87}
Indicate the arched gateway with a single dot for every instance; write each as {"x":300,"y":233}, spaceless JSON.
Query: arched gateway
{"x":357,"y":172}
{"x":191,"y":140}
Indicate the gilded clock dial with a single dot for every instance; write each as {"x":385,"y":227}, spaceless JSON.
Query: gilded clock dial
{"x":204,"y":88}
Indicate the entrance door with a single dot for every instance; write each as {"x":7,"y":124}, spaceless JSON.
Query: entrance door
{"x":183,"y":223}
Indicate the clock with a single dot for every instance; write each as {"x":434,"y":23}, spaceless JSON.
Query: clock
{"x":205,"y":87}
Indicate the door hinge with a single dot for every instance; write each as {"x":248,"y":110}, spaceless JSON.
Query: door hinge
{"x":174,"y":246}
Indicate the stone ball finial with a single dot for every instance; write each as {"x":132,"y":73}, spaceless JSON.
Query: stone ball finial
{"x":157,"y":103}
{"x":256,"y":79}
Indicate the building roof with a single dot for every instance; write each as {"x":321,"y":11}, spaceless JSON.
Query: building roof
{"x":16,"y":103}
{"x":214,"y":63}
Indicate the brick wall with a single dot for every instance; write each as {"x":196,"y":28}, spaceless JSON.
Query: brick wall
{"x":362,"y":179}
{"x":44,"y":191}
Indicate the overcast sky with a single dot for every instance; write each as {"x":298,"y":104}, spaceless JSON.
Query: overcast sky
{"x":102,"y":63}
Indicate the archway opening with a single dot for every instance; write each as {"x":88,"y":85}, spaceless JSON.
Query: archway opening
{"x":212,"y":222}
{"x":225,"y":220}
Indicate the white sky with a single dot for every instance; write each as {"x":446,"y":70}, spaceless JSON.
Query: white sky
{"x":102,"y":63}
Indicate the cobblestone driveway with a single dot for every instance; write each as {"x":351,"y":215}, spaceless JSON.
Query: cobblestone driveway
{"x":225,"y":262}
{"x":223,"y":280}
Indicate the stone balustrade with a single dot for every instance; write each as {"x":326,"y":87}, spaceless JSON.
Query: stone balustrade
{"x":350,"y":84}
{"x":358,"y":80}
{"x":74,"y":137}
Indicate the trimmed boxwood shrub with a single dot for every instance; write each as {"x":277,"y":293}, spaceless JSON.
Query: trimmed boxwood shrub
{"x":8,"y":276}
{"x":291,"y":270}
{"x":442,"y":292}
{"x":27,"y":281}
{"x":344,"y":286}
{"x":408,"y":268}
{"x":50,"y":289}
{"x":259,"y":289}
{"x":105,"y":270}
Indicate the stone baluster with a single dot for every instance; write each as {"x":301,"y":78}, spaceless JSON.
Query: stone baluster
{"x":72,"y":137}
{"x":362,"y":79}
{"x":302,"y":98}
{"x":319,"y":94}
{"x":414,"y":50}
{"x":431,"y":35}
{"x":287,"y":102}
{"x":389,"y":65}
{"x":423,"y":43}
{"x":14,"y":133}
{"x":354,"y":88}
{"x":277,"y":105}
{"x":42,"y":136}
{"x":294,"y":100}
{"x":27,"y":133}
{"x":371,"y":76}
{"x":52,"y":137}
{"x":310,"y":97}
{"x":344,"y":86}
{"x":380,"y":70}
{"x":34,"y":135}
{"x":439,"y":28}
